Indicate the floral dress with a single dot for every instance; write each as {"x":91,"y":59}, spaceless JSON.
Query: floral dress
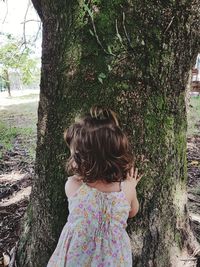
{"x":94,"y":235}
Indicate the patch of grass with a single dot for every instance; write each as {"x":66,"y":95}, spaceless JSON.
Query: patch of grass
{"x":9,"y":134}
{"x":23,"y":115}
{"x":194,"y":116}
{"x":26,"y":131}
{"x":18,"y":124}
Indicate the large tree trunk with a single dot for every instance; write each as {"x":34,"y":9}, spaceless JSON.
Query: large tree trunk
{"x":134,"y":57}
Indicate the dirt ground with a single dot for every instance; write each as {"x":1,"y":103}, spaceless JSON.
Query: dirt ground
{"x":16,"y":167}
{"x":16,"y":174}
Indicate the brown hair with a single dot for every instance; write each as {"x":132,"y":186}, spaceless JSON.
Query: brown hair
{"x":99,"y":148}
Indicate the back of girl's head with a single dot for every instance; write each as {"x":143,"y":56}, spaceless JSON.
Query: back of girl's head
{"x":99,"y":148}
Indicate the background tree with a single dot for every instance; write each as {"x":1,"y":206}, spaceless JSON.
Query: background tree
{"x":134,"y":57}
{"x":15,"y":57}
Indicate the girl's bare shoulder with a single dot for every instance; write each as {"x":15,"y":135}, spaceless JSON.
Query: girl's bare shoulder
{"x":72,"y":185}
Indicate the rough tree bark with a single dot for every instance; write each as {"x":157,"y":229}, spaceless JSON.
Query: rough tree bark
{"x":133,"y":56}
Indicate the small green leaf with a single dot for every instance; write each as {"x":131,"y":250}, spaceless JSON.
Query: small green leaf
{"x":100,"y":80}
{"x":88,"y":10}
{"x":102,"y":75}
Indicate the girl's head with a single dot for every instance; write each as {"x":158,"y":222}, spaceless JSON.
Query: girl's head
{"x":99,"y":148}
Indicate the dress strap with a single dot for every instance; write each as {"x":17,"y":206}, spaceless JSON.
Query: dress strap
{"x":120,"y":185}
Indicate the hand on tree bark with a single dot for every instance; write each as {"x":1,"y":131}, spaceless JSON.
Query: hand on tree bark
{"x":133,"y":174}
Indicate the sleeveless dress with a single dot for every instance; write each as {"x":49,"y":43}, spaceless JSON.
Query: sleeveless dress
{"x":95,"y":233}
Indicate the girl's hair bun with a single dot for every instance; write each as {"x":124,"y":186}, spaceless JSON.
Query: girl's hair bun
{"x":100,"y":113}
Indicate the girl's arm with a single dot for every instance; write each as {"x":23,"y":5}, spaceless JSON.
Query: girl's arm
{"x":134,"y":204}
{"x":133,"y":179}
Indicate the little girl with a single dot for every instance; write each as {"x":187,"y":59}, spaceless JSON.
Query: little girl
{"x":101,"y":195}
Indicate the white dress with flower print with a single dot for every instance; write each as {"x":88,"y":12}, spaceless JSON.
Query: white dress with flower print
{"x":95,"y":233}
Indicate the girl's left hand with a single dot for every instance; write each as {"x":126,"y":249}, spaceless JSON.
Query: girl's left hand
{"x":133,"y":174}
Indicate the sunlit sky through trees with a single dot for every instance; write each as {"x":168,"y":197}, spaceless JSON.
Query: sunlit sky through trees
{"x":12,"y":16}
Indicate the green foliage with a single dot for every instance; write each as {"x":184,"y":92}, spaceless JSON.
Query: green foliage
{"x":88,"y":10}
{"x":8,"y":135}
{"x":101,"y":77}
{"x":14,"y":57}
